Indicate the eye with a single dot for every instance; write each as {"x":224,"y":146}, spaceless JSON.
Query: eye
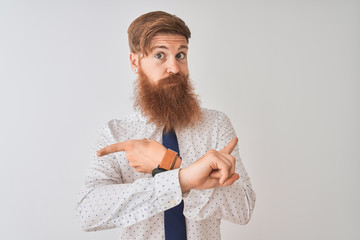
{"x":180,"y":55}
{"x":159,"y":55}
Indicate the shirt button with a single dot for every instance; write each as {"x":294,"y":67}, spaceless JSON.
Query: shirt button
{"x":173,"y":202}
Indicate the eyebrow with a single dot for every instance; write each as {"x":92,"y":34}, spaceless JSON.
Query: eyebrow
{"x":164,"y":47}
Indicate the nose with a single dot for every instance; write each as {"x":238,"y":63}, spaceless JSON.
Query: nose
{"x":173,"y":66}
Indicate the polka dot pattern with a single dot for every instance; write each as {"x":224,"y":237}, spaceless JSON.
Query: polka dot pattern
{"x":116,"y":196}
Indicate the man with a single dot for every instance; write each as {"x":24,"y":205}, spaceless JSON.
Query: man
{"x":166,"y":170}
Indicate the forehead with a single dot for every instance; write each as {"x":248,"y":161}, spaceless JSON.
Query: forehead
{"x":168,"y":40}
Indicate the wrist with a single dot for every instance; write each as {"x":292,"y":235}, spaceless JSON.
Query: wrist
{"x":185,"y":180}
{"x":161,"y":156}
{"x":170,"y":160}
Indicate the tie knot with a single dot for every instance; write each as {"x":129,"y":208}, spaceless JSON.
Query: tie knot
{"x":170,"y":132}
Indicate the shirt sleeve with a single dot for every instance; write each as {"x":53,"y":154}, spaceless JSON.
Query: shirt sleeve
{"x":234,"y":203}
{"x":106,"y":202}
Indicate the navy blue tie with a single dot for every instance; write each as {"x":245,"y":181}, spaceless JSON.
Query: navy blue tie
{"x":174,"y":219}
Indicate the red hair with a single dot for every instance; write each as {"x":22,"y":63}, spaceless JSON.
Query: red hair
{"x":145,"y":27}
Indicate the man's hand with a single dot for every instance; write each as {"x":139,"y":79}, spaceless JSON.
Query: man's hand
{"x":214,"y":169}
{"x":143,"y":155}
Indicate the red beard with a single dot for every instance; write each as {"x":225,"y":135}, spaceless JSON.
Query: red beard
{"x":171,"y":103}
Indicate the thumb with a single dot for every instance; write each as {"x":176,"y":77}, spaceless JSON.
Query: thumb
{"x":231,"y":180}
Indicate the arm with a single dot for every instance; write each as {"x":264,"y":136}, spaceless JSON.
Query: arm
{"x":214,"y":170}
{"x":234,"y":203}
{"x":107,"y":202}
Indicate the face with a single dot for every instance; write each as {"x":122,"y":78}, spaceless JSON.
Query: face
{"x":164,"y":92}
{"x":167,"y":56}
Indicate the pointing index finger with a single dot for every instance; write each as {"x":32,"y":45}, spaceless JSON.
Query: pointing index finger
{"x":230,"y":147}
{"x":116,"y":147}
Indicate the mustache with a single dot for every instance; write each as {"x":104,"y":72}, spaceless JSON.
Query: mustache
{"x":173,"y":78}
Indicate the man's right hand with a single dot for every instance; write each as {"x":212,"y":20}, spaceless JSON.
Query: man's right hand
{"x":143,"y":155}
{"x":214,"y":169}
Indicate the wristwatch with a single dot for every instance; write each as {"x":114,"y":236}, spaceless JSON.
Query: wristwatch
{"x":171,"y":160}
{"x":158,"y":170}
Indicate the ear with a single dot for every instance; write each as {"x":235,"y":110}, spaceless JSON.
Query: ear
{"x":134,"y":61}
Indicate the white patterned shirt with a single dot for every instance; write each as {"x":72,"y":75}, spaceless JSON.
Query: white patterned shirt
{"x":116,"y":196}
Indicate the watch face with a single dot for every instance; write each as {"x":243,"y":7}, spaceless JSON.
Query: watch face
{"x":158,"y":170}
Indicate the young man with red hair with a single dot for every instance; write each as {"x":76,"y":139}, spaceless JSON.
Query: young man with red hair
{"x":171,"y":169}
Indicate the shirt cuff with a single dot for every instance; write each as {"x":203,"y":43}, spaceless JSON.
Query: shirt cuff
{"x":167,"y":189}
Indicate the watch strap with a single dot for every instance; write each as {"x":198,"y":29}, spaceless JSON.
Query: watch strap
{"x":170,"y":160}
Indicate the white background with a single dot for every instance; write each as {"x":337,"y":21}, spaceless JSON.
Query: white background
{"x":285,"y":72}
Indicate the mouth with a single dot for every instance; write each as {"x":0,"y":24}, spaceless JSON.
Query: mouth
{"x":172,"y":84}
